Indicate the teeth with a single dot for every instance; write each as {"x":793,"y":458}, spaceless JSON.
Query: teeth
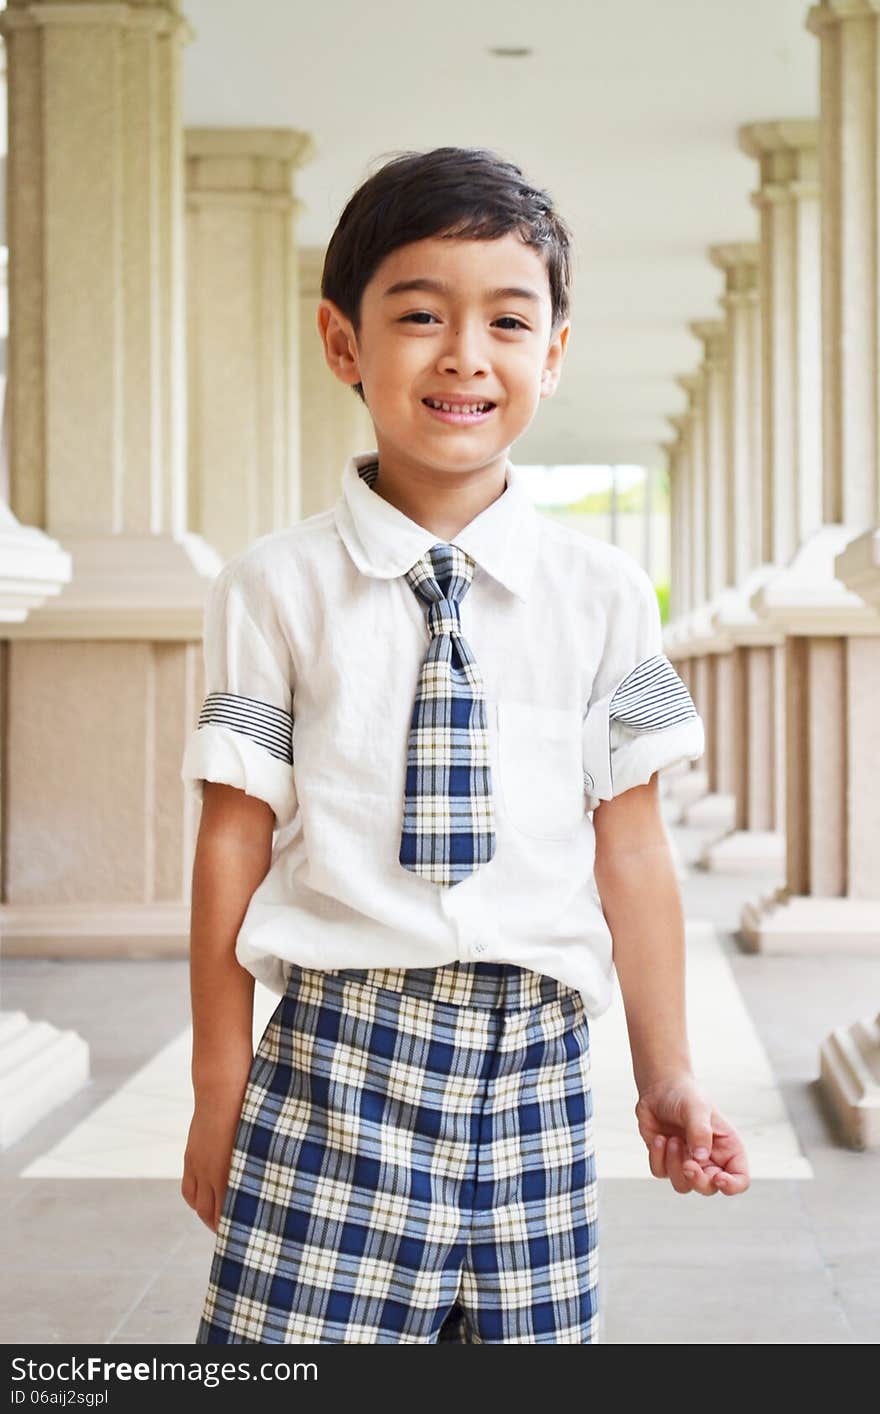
{"x":459,"y":407}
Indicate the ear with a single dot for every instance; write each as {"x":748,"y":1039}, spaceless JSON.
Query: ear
{"x":339,"y":341}
{"x":552,"y":370}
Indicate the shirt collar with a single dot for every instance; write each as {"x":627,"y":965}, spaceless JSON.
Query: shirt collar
{"x":382,"y":541}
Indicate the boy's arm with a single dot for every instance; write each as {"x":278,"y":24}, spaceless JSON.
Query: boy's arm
{"x":689,"y":1141}
{"x":638,"y":886}
{"x":232,"y":857}
{"x":239,"y":761}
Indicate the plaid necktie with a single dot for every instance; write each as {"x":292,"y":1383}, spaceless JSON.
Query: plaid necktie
{"x":448,"y":818}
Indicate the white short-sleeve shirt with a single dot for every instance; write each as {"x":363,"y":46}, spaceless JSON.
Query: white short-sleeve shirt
{"x":313,"y":644}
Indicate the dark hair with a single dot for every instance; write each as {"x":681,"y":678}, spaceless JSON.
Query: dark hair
{"x":452,"y":192}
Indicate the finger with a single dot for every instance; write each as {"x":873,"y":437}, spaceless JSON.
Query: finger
{"x":674,"y":1167}
{"x":699,"y":1132}
{"x":728,"y":1149}
{"x":734,"y":1168}
{"x":702,"y":1180}
{"x":738,"y":1165}
{"x":657,"y":1156}
{"x":731,"y":1183}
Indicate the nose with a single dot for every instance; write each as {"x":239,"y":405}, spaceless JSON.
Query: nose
{"x":465,"y":353}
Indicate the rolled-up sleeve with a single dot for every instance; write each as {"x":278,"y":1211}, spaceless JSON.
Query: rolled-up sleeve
{"x":244,"y":733}
{"x":640,"y":717}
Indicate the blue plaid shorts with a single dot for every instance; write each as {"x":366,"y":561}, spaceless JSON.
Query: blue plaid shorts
{"x":413,"y":1164}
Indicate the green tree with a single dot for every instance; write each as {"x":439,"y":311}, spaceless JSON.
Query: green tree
{"x":662,"y":591}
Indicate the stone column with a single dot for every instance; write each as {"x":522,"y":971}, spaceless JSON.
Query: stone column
{"x":693,"y":386}
{"x":716,"y":808}
{"x":849,"y":1056}
{"x":95,"y":238}
{"x":787,"y":201}
{"x":755,"y":843}
{"x":103,"y":676}
{"x":242,"y":332}
{"x":677,"y":458}
{"x":687,"y":637}
{"x":335,"y":423}
{"x":40,"y":1067}
{"x":849,"y":36}
{"x":831,"y":896}
{"x":680,"y":460}
{"x":712,"y":336}
{"x":678,"y":529}
{"x":738,"y":262}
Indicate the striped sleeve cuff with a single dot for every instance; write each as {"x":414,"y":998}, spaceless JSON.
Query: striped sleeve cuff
{"x":242,"y":742}
{"x":651,"y":697}
{"x":648,"y":722}
{"x":267,"y":726}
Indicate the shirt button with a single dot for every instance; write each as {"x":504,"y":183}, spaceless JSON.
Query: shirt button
{"x":589,"y":782}
{"x":479,"y":948}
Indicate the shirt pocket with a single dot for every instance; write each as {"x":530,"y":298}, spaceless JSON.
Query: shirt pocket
{"x":541,"y":774}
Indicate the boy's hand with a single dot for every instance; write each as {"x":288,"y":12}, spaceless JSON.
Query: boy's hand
{"x":208,"y":1155}
{"x":677,"y":1121}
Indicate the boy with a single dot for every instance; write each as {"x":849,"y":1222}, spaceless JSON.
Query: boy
{"x":453,"y":710}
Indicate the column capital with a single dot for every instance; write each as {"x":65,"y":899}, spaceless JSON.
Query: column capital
{"x":244,"y":164}
{"x":162,"y":16}
{"x":712,"y":334}
{"x":291,"y":145}
{"x":778,"y":135}
{"x":693,"y":385}
{"x":831,"y":12}
{"x":787,"y":152}
{"x":739,"y":262}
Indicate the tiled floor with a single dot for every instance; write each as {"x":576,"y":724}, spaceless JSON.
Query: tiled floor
{"x":100,"y":1247}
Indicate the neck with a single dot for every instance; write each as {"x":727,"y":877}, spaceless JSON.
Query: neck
{"x":444,"y":502}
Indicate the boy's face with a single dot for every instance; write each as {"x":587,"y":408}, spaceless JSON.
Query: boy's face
{"x":469,"y":339}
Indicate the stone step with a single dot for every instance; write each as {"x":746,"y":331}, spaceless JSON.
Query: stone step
{"x":40,"y":1068}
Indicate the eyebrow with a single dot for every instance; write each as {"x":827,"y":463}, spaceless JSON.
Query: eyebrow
{"x":439,"y":287}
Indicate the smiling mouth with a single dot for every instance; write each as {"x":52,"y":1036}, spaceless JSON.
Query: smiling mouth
{"x":462,"y":414}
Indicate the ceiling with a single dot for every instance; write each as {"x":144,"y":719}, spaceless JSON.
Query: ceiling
{"x":627,"y":112}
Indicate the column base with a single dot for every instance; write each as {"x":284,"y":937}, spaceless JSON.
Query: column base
{"x":798,"y":923}
{"x":714,"y":809}
{"x":72,"y":930}
{"x":849,"y":1074}
{"x":40,"y":1068}
{"x":745,"y":852}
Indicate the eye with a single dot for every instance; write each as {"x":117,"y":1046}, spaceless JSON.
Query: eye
{"x":421,"y":314}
